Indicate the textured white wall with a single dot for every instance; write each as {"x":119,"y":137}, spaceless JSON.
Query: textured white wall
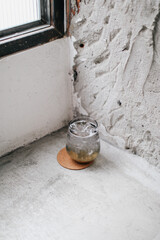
{"x":118,"y":70}
{"x":35,"y":93}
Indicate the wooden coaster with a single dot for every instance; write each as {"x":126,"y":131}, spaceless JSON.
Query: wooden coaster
{"x":67,"y":162}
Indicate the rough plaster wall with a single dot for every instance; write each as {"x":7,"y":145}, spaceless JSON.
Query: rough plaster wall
{"x":117,"y":71}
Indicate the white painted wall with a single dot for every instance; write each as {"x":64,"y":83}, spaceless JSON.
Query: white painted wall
{"x":35,"y":93}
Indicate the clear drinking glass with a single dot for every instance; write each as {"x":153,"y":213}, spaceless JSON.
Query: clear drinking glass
{"x":83,"y":144}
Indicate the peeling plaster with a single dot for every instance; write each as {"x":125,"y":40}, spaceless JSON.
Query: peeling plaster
{"x":77,"y":105}
{"x":118,"y":71}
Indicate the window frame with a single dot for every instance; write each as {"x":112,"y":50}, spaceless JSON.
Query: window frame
{"x":50,"y":27}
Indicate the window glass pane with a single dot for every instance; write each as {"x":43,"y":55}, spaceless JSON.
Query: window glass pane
{"x":18,"y":12}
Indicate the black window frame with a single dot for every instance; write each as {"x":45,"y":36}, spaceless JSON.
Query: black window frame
{"x":50,"y":27}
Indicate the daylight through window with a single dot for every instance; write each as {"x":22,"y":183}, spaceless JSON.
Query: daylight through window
{"x":14,"y":13}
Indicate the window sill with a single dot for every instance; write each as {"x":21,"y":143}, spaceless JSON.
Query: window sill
{"x":27,"y":40}
{"x":119,"y":190}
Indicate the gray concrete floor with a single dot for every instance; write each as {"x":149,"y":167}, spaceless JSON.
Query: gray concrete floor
{"x":116,"y":198}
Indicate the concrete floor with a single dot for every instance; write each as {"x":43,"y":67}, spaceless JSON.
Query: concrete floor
{"x":117,"y":198}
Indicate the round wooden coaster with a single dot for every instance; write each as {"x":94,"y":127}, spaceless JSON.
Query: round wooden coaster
{"x":67,"y":162}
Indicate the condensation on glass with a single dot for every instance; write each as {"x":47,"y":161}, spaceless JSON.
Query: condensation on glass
{"x":18,"y":12}
{"x":83,"y":143}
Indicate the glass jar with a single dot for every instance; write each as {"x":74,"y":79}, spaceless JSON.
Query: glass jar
{"x":83,"y":144}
